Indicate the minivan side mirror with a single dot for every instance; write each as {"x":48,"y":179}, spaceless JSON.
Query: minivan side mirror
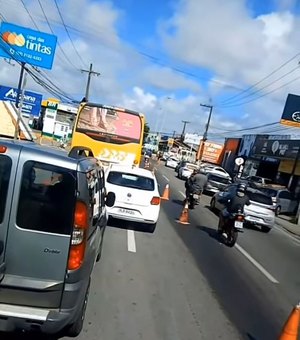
{"x":110,"y":199}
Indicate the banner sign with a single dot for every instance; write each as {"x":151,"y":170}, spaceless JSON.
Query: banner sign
{"x":285,"y":149}
{"x":31,"y":101}
{"x":291,"y":112}
{"x":26,"y":45}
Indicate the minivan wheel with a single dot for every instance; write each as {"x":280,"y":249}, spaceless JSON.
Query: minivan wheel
{"x":277,"y":210}
{"x":265,"y":229}
{"x":75,"y":329}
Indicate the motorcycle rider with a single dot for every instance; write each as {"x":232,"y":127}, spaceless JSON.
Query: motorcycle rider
{"x":233,"y":202}
{"x":196,"y":183}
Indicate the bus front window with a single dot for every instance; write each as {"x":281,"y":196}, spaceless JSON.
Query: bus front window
{"x":109,"y":124}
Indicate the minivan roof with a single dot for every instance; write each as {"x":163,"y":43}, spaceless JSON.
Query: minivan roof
{"x":60,"y":157}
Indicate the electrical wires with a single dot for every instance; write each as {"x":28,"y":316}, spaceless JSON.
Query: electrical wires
{"x":66,"y":29}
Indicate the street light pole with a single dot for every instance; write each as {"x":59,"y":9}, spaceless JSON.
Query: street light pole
{"x":183,"y":130}
{"x":204,"y":138}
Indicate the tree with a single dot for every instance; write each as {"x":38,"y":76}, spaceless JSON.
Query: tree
{"x":146,"y":131}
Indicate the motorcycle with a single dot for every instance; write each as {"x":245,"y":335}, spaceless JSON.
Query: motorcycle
{"x":194,"y":199}
{"x":231,"y":226}
{"x":146,"y":162}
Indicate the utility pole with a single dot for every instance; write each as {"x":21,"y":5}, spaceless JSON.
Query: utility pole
{"x":174,"y":132}
{"x":183,"y":130}
{"x":90,"y":72}
{"x":204,"y":138}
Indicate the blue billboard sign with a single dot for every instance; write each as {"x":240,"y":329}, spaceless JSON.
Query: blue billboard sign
{"x":31,"y":101}
{"x":26,"y":45}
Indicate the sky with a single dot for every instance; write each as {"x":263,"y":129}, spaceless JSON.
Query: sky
{"x":165,"y":58}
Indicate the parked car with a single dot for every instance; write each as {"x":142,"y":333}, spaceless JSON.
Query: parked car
{"x":137,"y":195}
{"x":214,"y":169}
{"x":186,"y":170}
{"x":172,"y":162}
{"x":52,"y":221}
{"x":259,"y":213}
{"x":216,"y":182}
{"x":283,"y":200}
{"x":258,"y":181}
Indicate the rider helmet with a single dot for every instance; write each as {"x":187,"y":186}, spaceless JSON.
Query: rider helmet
{"x":241,"y":189}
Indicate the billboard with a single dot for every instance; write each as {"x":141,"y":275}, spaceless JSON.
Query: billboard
{"x":192,"y":138}
{"x":26,"y":45}
{"x":212,"y":152}
{"x":284,"y":149}
{"x":31,"y":101}
{"x":291,"y":111}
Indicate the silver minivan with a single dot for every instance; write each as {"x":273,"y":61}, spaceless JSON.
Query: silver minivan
{"x":52,"y":221}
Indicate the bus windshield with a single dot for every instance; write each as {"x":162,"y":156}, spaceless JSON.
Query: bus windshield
{"x":111,"y":125}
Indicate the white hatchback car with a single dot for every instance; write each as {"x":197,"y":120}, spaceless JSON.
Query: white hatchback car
{"x":172,"y":162}
{"x":137,"y":195}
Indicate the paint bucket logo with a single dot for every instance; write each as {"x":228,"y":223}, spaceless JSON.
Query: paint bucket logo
{"x":13,"y":39}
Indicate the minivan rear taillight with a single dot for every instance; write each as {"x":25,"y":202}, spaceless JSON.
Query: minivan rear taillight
{"x":3,"y":149}
{"x":78,"y":241}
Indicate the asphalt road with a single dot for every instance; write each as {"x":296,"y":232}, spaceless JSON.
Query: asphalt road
{"x":183,"y":283}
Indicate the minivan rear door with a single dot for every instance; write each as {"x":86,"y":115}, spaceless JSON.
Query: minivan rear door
{"x":5,"y":194}
{"x":39,"y":232}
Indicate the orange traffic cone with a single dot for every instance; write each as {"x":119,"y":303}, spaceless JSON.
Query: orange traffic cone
{"x":184,"y":216}
{"x":291,"y":328}
{"x":166,"y":193}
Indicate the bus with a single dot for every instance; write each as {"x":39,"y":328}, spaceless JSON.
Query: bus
{"x":115,"y":135}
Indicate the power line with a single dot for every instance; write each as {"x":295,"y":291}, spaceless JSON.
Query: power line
{"x":265,"y":94}
{"x":28,"y":12}
{"x":260,"y":89}
{"x":260,"y":81}
{"x":66,"y":29}
{"x":58,"y":44}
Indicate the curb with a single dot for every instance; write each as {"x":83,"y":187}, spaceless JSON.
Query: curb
{"x":288,"y":230}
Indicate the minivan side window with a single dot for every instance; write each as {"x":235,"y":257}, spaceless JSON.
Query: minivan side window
{"x":47,"y":198}
{"x":5,"y":169}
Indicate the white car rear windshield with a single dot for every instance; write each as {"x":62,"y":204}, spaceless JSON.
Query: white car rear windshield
{"x":131,"y":180}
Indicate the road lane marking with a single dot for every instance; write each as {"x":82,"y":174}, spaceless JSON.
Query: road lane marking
{"x":256,"y":264}
{"x":181,"y":193}
{"x":166,"y":178}
{"x":131,"y":241}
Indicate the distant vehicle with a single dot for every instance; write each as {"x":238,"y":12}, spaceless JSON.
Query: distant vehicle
{"x":283,"y":200}
{"x":259,"y":181}
{"x":180,"y":164}
{"x":259,"y":213}
{"x":115,"y":135}
{"x":137,"y":195}
{"x":165,"y":156}
{"x":215,"y":169}
{"x":51,"y":235}
{"x":216,"y":182}
{"x":186,"y":170}
{"x":171,"y":162}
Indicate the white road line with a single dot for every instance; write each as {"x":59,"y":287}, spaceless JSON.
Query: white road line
{"x":256,"y":264}
{"x":131,"y":241}
{"x":181,"y":193}
{"x":166,"y":178}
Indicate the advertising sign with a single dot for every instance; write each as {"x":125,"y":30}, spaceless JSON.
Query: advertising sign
{"x":26,"y":45}
{"x":286,"y":149}
{"x":291,"y":111}
{"x":31,"y":101}
{"x":110,"y":121}
{"x":191,"y":138}
{"x":50,"y":118}
{"x":212,"y":152}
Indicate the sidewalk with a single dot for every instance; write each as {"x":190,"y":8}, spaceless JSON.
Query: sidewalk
{"x":284,"y":222}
